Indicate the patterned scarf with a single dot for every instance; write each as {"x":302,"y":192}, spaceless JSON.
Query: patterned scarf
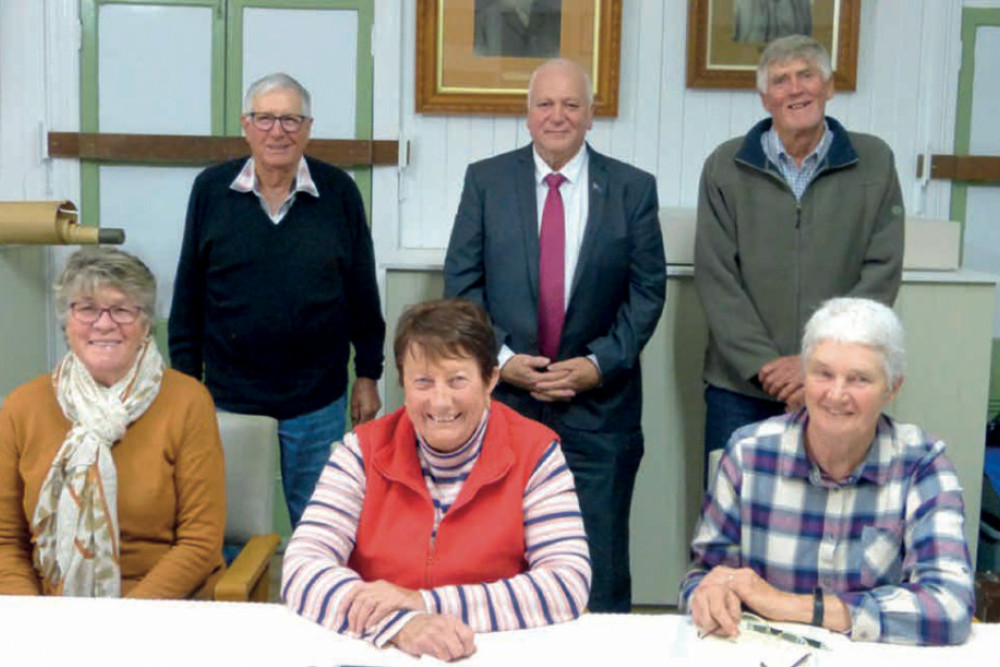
{"x":76,"y":520}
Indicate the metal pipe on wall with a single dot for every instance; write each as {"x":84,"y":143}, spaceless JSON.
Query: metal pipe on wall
{"x":50,"y":223}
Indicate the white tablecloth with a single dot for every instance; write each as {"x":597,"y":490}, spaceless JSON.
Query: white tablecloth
{"x":116,"y":633}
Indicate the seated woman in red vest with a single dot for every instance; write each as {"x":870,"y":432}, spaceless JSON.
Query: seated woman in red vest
{"x":450,"y":516}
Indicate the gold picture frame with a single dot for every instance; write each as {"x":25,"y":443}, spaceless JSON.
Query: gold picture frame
{"x":470,"y":60}
{"x":726,"y":37}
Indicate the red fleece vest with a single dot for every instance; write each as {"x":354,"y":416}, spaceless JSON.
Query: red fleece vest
{"x":480,"y":539}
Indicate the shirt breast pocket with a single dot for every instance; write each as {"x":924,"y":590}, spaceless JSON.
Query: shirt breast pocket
{"x":878,"y":557}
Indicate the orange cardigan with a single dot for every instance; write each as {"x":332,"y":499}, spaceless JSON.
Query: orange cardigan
{"x":480,"y":539}
{"x":171,"y":488}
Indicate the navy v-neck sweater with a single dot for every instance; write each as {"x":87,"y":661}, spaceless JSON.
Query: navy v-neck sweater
{"x":269,"y":311}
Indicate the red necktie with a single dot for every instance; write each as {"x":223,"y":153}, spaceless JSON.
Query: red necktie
{"x":552,"y":270}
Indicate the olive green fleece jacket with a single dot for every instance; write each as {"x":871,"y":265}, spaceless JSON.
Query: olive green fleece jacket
{"x":764,"y":262}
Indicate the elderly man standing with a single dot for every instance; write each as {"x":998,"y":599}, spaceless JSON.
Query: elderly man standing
{"x":562,"y":246}
{"x":276,"y":280}
{"x":798,"y":211}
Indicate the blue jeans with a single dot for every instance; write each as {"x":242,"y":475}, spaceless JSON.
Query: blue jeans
{"x":305,"y":448}
{"x":726,"y":411}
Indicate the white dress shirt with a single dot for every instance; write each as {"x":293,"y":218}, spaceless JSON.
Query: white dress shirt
{"x":576,"y":206}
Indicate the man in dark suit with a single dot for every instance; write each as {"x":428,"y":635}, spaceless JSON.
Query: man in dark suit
{"x":573,"y":307}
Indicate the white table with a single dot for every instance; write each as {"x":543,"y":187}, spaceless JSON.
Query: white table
{"x":115,"y":633}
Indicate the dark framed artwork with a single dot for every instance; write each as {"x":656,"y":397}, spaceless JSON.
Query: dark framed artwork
{"x":476,"y":56}
{"x":726,"y":37}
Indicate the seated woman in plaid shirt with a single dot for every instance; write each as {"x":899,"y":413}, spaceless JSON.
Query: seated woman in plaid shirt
{"x":836,"y":514}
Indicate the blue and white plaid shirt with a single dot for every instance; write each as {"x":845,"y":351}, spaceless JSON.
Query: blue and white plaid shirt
{"x":888,"y":540}
{"x":797,"y":177}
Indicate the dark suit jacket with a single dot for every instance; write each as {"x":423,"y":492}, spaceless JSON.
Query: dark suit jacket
{"x":617,"y":291}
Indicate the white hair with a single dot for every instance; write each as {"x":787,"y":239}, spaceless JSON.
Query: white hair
{"x":564,"y":62}
{"x":277,"y":81}
{"x":863,"y":322}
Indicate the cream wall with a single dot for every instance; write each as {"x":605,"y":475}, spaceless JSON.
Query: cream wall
{"x":23,"y":313}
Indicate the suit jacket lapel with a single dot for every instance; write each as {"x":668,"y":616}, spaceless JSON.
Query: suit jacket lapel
{"x":598,"y":192}
{"x":527,"y":213}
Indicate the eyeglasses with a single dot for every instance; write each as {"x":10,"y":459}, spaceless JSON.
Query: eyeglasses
{"x":265,"y":121}
{"x":88,"y":313}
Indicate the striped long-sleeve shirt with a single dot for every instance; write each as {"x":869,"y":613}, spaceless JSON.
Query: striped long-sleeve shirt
{"x":888,"y":540}
{"x":316,"y":580}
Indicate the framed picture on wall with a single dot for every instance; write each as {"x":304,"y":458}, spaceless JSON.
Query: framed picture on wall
{"x":476,"y":56}
{"x":726,"y":37}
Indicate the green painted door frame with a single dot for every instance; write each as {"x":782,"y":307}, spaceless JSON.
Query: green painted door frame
{"x":972,"y":19}
{"x":90,"y":192}
{"x":226,"y":102}
{"x":227,"y":73}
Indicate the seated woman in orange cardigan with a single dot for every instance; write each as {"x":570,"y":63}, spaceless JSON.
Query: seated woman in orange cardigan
{"x":111,"y":472}
{"x":450,"y":516}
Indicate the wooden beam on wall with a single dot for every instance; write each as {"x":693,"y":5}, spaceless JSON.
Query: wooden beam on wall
{"x":968,"y":168}
{"x":188,"y":150}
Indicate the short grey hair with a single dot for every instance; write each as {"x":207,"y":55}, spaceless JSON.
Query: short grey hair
{"x":277,"y":81}
{"x":564,"y":62}
{"x":793,"y":47}
{"x":93,"y":268}
{"x":863,"y":322}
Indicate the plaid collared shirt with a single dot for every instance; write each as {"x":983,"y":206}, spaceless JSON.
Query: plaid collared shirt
{"x":246,"y":181}
{"x":888,"y":540}
{"x":797,"y":177}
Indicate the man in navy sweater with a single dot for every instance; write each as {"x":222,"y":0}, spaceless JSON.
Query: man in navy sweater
{"x":275,"y":282}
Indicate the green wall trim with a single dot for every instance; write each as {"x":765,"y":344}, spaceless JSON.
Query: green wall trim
{"x":972,"y":19}
{"x":90,"y":173}
{"x":89,"y":177}
{"x":227,"y":77}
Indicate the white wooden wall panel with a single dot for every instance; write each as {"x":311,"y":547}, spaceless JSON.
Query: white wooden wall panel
{"x":646,"y":131}
{"x":39,"y":91}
